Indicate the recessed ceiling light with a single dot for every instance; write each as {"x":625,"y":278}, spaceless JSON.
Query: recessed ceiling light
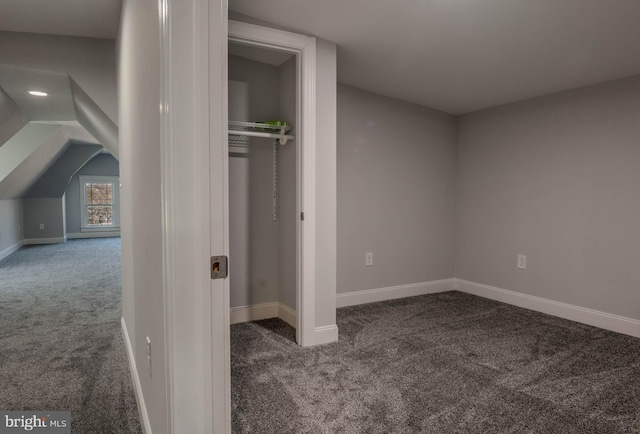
{"x":37,"y":93}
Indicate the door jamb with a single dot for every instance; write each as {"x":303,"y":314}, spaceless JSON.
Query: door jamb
{"x":304,"y":47}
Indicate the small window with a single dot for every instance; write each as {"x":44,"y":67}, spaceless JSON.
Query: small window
{"x":100,"y":207}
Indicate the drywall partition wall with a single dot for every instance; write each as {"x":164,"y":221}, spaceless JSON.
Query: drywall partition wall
{"x":139,"y":84}
{"x":90,"y":61}
{"x":263,"y":82}
{"x":326,"y":214}
{"x":396,"y":164}
{"x":10,"y":226}
{"x":100,"y":165}
{"x":287,"y":190}
{"x":43,"y":220}
{"x":556,"y":179}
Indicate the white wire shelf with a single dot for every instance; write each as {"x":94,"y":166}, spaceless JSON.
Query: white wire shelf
{"x":256,"y":129}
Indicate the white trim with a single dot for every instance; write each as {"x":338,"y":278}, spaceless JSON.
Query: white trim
{"x":93,"y":234}
{"x":193,"y":128}
{"x":167,"y":192}
{"x":260,"y":311}
{"x":304,"y":47}
{"x":253,"y":312}
{"x":596,"y":318}
{"x":286,"y":314}
{"x":137,"y":386}
{"x":393,"y":292}
{"x":9,"y":250}
{"x":56,"y":240}
{"x":110,"y":228}
{"x":326,"y":334}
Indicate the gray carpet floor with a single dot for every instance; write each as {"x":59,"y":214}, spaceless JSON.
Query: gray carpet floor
{"x":440,"y":363}
{"x":61,"y":346}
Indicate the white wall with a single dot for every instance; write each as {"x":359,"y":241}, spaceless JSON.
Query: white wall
{"x":10,"y":226}
{"x":555,"y":178}
{"x":141,"y":221}
{"x":89,"y":61}
{"x":396,"y":172}
{"x":326,"y":172}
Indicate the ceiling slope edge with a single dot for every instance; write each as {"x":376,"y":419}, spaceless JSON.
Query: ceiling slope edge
{"x":93,"y":119}
{"x":12,"y":118}
{"x":28,"y":155}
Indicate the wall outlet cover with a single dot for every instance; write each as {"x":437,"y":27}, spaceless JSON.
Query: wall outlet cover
{"x":368,"y":259}
{"x":522,"y":262}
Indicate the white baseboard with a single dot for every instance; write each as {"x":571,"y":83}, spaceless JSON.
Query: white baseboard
{"x":260,"y":311}
{"x":56,"y":240}
{"x":253,"y":312}
{"x":393,"y":292}
{"x":607,"y":321}
{"x":79,"y":235}
{"x":326,"y":334}
{"x":9,"y":250}
{"x":137,"y":386}
{"x":288,"y":315}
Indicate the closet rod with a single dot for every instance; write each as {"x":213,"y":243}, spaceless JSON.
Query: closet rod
{"x":261,"y":129}
{"x":283,"y":137}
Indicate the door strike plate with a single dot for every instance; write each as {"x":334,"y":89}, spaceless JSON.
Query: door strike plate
{"x":219,"y":267}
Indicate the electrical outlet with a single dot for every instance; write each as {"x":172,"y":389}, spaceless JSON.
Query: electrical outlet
{"x":368,"y":259}
{"x":41,"y":225}
{"x":149,"y":354}
{"x":522,"y":262}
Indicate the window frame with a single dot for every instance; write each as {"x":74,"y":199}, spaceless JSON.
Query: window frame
{"x":84,"y":218}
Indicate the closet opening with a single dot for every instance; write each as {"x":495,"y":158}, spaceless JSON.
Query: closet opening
{"x":272,"y":177}
{"x":263,"y":184}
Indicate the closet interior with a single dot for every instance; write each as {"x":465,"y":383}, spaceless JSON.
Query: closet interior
{"x":262,"y":183}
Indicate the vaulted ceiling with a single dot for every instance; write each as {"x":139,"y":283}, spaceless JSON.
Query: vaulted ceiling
{"x":35,"y":131}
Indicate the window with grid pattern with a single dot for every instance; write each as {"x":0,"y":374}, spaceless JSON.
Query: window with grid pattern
{"x":99,"y":202}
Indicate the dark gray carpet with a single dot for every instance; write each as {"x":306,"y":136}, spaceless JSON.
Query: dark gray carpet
{"x":441,"y":363}
{"x":61,"y":346}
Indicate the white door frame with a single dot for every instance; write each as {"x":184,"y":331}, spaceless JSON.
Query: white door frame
{"x":304,"y":47}
{"x":193,"y":46}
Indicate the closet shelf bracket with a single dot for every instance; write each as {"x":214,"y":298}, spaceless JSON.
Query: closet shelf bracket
{"x":257,"y":129}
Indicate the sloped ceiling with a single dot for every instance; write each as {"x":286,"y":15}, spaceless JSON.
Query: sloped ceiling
{"x":12,"y":118}
{"x":57,"y":106}
{"x":89,"y":18}
{"x":32,"y":151}
{"x":464,"y":55}
{"x":44,"y":44}
{"x":65,"y":115}
{"x":27,"y":155}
